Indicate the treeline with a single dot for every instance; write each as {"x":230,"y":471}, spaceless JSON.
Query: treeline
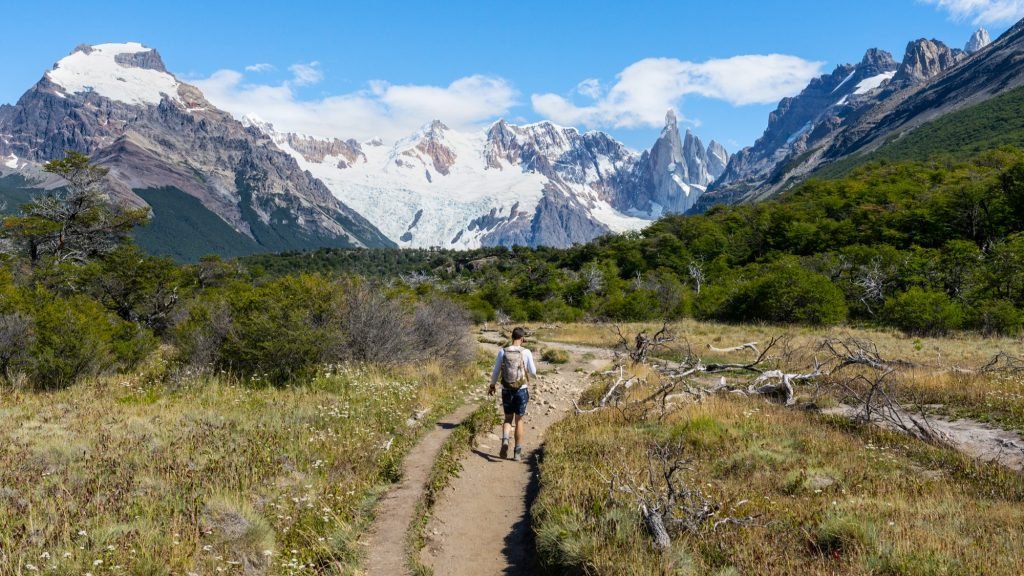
{"x":77,"y":299}
{"x":924,"y":247}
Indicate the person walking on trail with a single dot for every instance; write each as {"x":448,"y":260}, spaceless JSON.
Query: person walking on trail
{"x":514,"y":366}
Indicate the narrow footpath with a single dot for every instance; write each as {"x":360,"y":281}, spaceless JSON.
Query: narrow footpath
{"x":481,"y":523}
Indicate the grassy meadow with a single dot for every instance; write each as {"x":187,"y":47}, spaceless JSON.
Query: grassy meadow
{"x":213,"y":476}
{"x":809,"y":493}
{"x":940,"y":375}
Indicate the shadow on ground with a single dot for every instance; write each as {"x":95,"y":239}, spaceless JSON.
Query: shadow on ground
{"x":520,"y":544}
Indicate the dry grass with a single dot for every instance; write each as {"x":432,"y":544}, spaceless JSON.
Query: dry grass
{"x":827,"y":497}
{"x":119,"y":477}
{"x":963,"y":350}
{"x":936,"y":378}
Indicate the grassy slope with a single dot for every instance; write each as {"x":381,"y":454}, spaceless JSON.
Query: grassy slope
{"x":957,"y":136}
{"x":214,"y":477}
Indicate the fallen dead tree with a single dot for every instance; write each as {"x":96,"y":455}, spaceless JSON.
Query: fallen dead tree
{"x":666,"y":502}
{"x":850,"y":368}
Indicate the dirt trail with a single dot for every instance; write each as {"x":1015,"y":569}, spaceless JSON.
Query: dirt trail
{"x":975,"y":439}
{"x":481,"y":523}
{"x":385,"y":541}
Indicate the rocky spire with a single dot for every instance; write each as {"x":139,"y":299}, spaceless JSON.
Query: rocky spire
{"x":718,"y":159}
{"x":978,"y":40}
{"x":925,"y":59}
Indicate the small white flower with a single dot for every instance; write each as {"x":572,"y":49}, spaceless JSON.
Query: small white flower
{"x":268,"y":552}
{"x":81,"y":532}
{"x":31,"y":567}
{"x":97,"y":562}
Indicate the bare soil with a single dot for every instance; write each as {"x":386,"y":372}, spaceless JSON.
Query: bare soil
{"x":481,"y":522}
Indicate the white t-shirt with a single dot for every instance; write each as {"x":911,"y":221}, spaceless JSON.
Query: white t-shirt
{"x":527,"y":358}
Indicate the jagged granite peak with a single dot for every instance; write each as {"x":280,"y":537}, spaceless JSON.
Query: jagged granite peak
{"x":877,"y":61}
{"x":718,"y":159}
{"x":979,"y":40}
{"x":696,"y":158}
{"x":675,"y":169}
{"x":117,"y":104}
{"x":926,"y":59}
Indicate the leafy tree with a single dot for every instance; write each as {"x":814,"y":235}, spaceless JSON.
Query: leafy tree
{"x":75,"y":223}
{"x":138,"y":288}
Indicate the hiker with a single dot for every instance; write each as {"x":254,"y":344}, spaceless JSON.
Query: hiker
{"x":515,"y":365}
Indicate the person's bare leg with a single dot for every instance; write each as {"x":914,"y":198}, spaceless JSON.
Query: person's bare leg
{"x":506,"y":429}
{"x":520,"y":427}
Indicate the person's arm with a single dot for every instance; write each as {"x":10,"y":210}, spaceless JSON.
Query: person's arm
{"x":530,"y":366}
{"x":496,"y":370}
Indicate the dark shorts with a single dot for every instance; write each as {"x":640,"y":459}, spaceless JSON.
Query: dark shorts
{"x":514,"y":401}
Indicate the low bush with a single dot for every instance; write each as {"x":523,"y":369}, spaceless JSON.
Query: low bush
{"x":555,"y":356}
{"x":923,"y":312}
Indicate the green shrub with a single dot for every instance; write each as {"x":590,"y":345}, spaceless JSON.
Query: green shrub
{"x":995,"y":317}
{"x":131,"y":344}
{"x":282,"y":330}
{"x":924,"y":312}
{"x":72,"y":340}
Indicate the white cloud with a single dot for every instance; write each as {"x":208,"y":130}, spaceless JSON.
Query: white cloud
{"x":306,"y":74}
{"x":261,"y":67}
{"x":982,"y":11}
{"x":646,"y":89}
{"x":590,"y":87}
{"x":383,"y":110}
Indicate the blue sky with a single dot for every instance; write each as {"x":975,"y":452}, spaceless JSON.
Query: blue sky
{"x":382,"y":68}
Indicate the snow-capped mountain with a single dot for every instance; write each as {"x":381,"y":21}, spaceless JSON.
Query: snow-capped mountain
{"x":857,"y":107}
{"x":534,"y":184}
{"x":161,"y":138}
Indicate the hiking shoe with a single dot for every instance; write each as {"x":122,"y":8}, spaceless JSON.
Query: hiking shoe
{"x":504,"y":450}
{"x":518,"y":454}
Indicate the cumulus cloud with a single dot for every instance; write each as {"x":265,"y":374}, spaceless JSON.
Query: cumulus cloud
{"x":646,"y":89}
{"x":982,"y":11}
{"x":382,"y":110}
{"x":261,"y":67}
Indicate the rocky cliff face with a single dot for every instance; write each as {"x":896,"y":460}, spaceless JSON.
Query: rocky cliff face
{"x":924,"y":60}
{"x":930,"y":81}
{"x":118,"y":104}
{"x":799,"y":121}
{"x":838,"y":117}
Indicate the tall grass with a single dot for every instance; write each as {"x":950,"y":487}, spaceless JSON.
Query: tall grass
{"x":120,"y":477}
{"x":825,"y":497}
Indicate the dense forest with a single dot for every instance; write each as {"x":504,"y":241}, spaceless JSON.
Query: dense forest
{"x":927,"y":247}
